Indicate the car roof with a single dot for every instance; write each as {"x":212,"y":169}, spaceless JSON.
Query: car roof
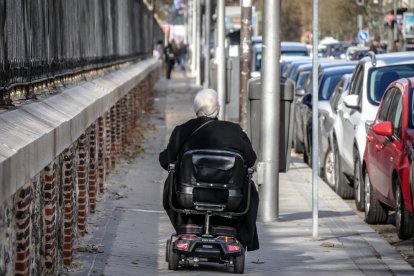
{"x":341,"y":68}
{"x":390,"y":59}
{"x":284,"y":45}
{"x":292,"y":45}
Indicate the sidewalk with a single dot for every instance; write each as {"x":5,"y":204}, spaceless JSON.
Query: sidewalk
{"x":130,"y":229}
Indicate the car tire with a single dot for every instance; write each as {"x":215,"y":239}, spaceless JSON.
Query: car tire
{"x":328,"y":168}
{"x":359,"y":187}
{"x":403,"y":220}
{"x":308,"y":148}
{"x":238,"y":263}
{"x":173,"y":258}
{"x":342,"y":188}
{"x":375,"y":213}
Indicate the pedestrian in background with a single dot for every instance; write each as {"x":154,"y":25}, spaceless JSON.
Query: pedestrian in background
{"x":374,"y":46}
{"x":397,"y":46}
{"x":182,"y":56}
{"x":158,"y":53}
{"x":169,"y":59}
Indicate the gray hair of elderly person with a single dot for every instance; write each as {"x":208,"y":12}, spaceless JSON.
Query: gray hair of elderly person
{"x":206,"y":103}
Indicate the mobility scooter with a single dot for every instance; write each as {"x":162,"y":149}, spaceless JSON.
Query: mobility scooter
{"x":211,"y":184}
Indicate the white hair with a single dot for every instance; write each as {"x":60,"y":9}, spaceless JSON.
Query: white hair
{"x":206,"y":103}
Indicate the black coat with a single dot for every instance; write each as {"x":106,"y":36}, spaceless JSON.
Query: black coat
{"x":215,"y":135}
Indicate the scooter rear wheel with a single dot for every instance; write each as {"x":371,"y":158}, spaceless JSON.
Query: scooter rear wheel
{"x":167,"y":250}
{"x":173,"y":258}
{"x":238,"y":263}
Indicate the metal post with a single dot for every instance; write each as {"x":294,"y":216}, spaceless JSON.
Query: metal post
{"x":395,"y":20}
{"x":193,"y":36}
{"x":245,"y":58}
{"x":315,"y":100}
{"x":207,"y":45}
{"x":198,"y":42}
{"x":221,"y":60}
{"x":270,"y":120}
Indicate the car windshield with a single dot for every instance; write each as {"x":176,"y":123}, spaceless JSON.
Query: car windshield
{"x":328,"y":85}
{"x":303,"y":76}
{"x":380,"y":78}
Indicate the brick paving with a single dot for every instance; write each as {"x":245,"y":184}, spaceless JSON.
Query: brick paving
{"x":130,"y":228}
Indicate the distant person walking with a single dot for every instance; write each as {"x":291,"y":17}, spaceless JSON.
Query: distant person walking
{"x":397,"y":46}
{"x":158,"y":53}
{"x":169,"y":59}
{"x":374,"y":46}
{"x":182,"y":56}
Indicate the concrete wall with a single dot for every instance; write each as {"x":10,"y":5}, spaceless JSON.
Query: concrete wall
{"x":54,"y":157}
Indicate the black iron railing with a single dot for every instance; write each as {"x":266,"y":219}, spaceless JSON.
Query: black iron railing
{"x":41,"y":40}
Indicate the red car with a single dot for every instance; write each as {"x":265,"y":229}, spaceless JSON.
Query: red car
{"x":387,"y":159}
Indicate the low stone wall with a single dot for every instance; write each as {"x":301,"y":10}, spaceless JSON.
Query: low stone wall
{"x":54,"y":158}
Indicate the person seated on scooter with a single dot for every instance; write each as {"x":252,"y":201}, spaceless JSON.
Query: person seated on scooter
{"x":216,"y":134}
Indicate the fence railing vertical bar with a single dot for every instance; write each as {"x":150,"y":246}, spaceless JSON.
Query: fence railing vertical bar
{"x":42,"y":40}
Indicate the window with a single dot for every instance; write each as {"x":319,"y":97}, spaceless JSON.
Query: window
{"x":336,"y":94}
{"x":383,"y":112}
{"x":395,"y":111}
{"x":303,"y":77}
{"x":380,"y":78}
{"x":328,"y":86}
{"x":355,"y":87}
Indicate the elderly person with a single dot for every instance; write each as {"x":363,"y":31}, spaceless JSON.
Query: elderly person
{"x":207,"y":132}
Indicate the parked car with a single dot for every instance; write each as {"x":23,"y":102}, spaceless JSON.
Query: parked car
{"x":292,"y":68}
{"x":356,"y":53}
{"x":386,"y":164}
{"x":328,"y":79}
{"x":372,"y":75}
{"x":327,"y":113}
{"x":298,"y":135}
{"x":286,"y":49}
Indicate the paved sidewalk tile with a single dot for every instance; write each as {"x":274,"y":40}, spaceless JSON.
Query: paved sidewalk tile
{"x":133,"y":229}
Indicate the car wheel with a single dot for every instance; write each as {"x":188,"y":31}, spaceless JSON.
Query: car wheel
{"x":308,"y":148}
{"x":238,"y":263}
{"x":342,"y":188}
{"x":359,"y":188}
{"x":329,"y":168}
{"x":173,"y":258}
{"x":375,"y":213}
{"x":402,"y":219}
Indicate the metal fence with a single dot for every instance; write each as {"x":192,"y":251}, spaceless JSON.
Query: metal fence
{"x":44,"y":39}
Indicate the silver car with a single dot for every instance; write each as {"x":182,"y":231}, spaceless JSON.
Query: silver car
{"x":327,"y":113}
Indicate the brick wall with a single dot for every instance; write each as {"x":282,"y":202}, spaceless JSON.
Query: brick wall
{"x":39,"y":224}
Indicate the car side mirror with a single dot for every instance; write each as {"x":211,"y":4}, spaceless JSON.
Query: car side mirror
{"x":383,"y":129}
{"x":351,"y":101}
{"x":300,"y":92}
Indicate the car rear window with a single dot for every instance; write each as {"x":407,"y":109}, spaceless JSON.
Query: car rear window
{"x":380,"y":78}
{"x":328,"y":86}
{"x":303,"y":76}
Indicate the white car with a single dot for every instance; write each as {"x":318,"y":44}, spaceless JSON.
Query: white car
{"x":356,"y":112}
